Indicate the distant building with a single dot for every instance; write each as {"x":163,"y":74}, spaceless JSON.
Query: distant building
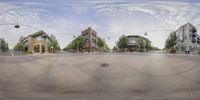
{"x":188,"y":39}
{"x":37,"y":42}
{"x":133,"y":44}
{"x":90,"y":40}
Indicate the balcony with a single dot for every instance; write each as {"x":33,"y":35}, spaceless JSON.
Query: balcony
{"x":194,"y":34}
{"x":198,"y":40}
{"x":194,"y":40}
{"x":194,"y":31}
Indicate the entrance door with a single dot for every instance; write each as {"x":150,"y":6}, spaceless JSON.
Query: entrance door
{"x":36,"y":48}
{"x":43,"y":48}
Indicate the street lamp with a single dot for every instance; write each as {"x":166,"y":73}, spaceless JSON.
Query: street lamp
{"x":145,"y":34}
{"x":17,"y":26}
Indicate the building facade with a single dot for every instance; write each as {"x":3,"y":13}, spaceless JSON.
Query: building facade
{"x":133,"y":44}
{"x":37,"y":42}
{"x":90,"y":40}
{"x":188,"y":39}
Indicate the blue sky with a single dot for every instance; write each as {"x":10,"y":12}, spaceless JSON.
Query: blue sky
{"x":65,"y":18}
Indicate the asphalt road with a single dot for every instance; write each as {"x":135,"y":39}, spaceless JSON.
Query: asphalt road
{"x":126,"y":76}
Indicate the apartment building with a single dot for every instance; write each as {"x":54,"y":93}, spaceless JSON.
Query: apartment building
{"x":188,"y":39}
{"x":37,"y":42}
{"x":90,"y":40}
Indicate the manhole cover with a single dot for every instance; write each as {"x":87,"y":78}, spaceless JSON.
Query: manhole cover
{"x":104,"y":65}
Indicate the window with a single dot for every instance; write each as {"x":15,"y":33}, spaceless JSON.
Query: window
{"x":36,"y":48}
{"x":40,"y":38}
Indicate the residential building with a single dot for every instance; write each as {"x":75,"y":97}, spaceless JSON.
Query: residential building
{"x":90,"y":40}
{"x":133,"y":44}
{"x":188,"y":39}
{"x":37,"y":42}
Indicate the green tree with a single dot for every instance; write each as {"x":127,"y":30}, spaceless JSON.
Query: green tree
{"x":171,"y":42}
{"x":149,"y":46}
{"x":145,"y":44}
{"x":3,"y":45}
{"x":115,"y":48}
{"x":53,"y":44}
{"x":20,"y":46}
{"x":76,"y":44}
{"x":142,"y":43}
{"x":122,"y":43}
{"x":154,"y":48}
{"x":102,"y":45}
{"x":106,"y":48}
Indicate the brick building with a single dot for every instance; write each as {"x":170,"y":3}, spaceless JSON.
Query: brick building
{"x":37,"y":42}
{"x":90,"y":40}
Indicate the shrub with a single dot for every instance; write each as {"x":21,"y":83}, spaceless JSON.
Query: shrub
{"x":29,"y":52}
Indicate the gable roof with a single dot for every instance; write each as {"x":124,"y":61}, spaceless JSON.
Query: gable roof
{"x":39,"y":33}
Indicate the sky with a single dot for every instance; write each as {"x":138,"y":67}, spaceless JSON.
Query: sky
{"x":110,"y":18}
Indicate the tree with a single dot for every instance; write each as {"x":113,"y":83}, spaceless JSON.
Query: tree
{"x":76,"y":44}
{"x":53,"y":44}
{"x":199,"y":50}
{"x":3,"y":45}
{"x":102,"y":44}
{"x":154,"y":48}
{"x":149,"y":46}
{"x":142,"y":43}
{"x":122,"y":43}
{"x":145,"y":44}
{"x":171,"y":42}
{"x":115,"y":48}
{"x":20,"y":46}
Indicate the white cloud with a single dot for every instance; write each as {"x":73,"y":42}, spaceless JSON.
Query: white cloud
{"x":115,"y":27}
{"x":124,"y":17}
{"x":5,"y":7}
{"x":31,"y":21}
{"x":171,"y":14}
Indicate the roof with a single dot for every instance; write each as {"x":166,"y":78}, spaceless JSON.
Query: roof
{"x":137,"y":36}
{"x":134,"y":36}
{"x":89,"y":29}
{"x":188,"y":23}
{"x":39,"y":33}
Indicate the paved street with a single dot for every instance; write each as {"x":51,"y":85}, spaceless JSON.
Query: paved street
{"x":108,"y":76}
